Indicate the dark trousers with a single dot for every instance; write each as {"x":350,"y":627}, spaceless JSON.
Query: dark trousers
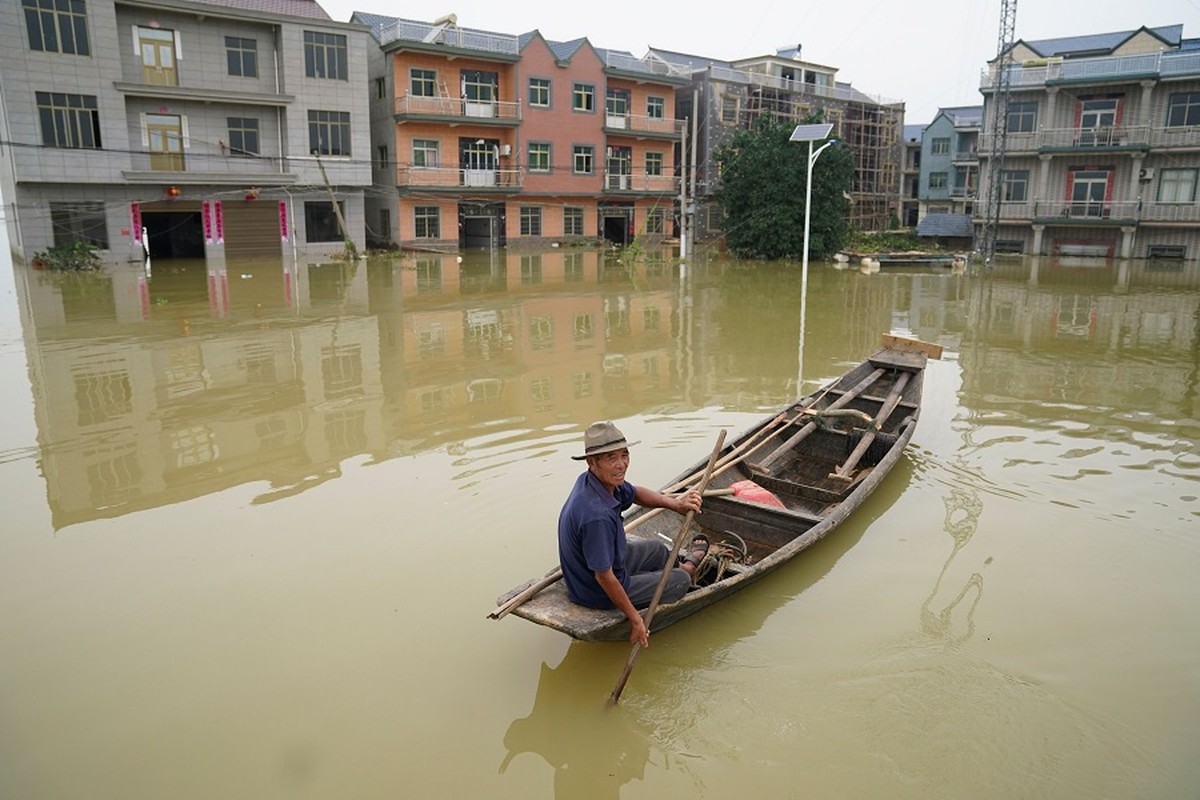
{"x":645,"y":560}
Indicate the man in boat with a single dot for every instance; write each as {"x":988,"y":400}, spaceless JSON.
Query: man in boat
{"x":601,"y":568}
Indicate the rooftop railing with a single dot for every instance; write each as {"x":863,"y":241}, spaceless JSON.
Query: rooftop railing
{"x":449,"y":36}
{"x":1042,"y":71}
{"x":627,"y":63}
{"x":730,"y":75}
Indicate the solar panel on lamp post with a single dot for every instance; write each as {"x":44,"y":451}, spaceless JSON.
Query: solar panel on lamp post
{"x":810,"y":134}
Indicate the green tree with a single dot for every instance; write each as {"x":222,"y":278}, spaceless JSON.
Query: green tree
{"x":761,"y":194}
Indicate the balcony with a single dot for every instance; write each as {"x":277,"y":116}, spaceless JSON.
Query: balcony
{"x":965,"y":157}
{"x":449,"y":35}
{"x":454,"y":109}
{"x":458,"y":178}
{"x":640,"y":183}
{"x":1072,"y":212}
{"x":964,"y":193}
{"x":1109,"y":69}
{"x":642,"y":127}
{"x":1073,"y":140}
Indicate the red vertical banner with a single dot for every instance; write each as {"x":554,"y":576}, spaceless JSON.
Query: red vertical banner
{"x":283,"y":221}
{"x":218,"y":222}
{"x":135,"y":222}
{"x":206,"y":220}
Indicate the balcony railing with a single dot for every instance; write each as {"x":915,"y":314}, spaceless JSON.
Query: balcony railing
{"x":640,"y":182}
{"x":639,"y":124}
{"x":627,"y":63}
{"x":964,"y":192}
{"x":1098,"y":211}
{"x":475,"y":110}
{"x":450,"y":36}
{"x":1166,"y":64}
{"x":1115,"y":136}
{"x":841,"y":92}
{"x":965,"y":156}
{"x":459,"y":177}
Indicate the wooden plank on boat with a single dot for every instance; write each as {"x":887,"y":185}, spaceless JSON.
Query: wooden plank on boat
{"x":905,"y":344}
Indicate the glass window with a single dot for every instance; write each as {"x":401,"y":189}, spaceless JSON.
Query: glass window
{"x":241,"y":57}
{"x":425,"y":153}
{"x":616,"y":102}
{"x":422,"y":82}
{"x":480,"y":87}
{"x":729,"y":109}
{"x":937,"y":180}
{"x":531,"y":221}
{"x":1014,"y":185}
{"x":584,"y":161}
{"x":57,"y":26}
{"x":940,"y":146}
{"x":1183,"y":109}
{"x":584,"y":97}
{"x":656,"y":107}
{"x":1177,"y":186}
{"x":539,"y":92}
{"x":1022,"y":117}
{"x":572,"y":221}
{"x":243,"y":136}
{"x":325,"y":56}
{"x":427,"y":222}
{"x":539,"y":157}
{"x":69,"y":120}
{"x":654,"y":164}
{"x":79,"y":222}
{"x":329,"y":133}
{"x":320,"y":222}
{"x":654,"y":222}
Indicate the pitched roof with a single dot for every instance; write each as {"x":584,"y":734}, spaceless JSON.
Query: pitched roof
{"x":287,"y":8}
{"x":951,"y":225}
{"x":1099,"y":44}
{"x":686,"y":59}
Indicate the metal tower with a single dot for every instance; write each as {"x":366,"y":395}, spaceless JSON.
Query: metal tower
{"x":1001,"y":77}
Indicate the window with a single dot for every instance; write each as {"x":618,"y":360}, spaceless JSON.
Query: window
{"x":1183,"y":109}
{"x":539,"y":157}
{"x":422,"y":82}
{"x":243,"y":136}
{"x":937,"y":180}
{"x":584,"y":162}
{"x":654,"y":221}
{"x":572,"y":221}
{"x":69,"y":120}
{"x":325,"y":56}
{"x":656,"y":107}
{"x":480,"y":87}
{"x":165,"y":142}
{"x":381,"y":88}
{"x":427,"y":222}
{"x":383,"y":157}
{"x":1166,"y":251}
{"x":241,"y":57}
{"x":531,"y":221}
{"x":79,"y":222}
{"x":57,"y":26}
{"x":584,"y":97}
{"x":1098,"y":112}
{"x":729,"y":109}
{"x":539,"y":92}
{"x":654,"y":164}
{"x":940,"y":146}
{"x":1022,"y":117}
{"x":1014,"y":186}
{"x":329,"y":133}
{"x":616,"y":102}
{"x":425,"y":153}
{"x":1177,"y":186}
{"x":320,"y":222}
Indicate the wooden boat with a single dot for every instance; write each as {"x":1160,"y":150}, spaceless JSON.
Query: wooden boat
{"x":818,"y":459}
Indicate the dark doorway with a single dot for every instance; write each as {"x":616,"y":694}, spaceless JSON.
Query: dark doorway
{"x":616,"y":229}
{"x":174,"y":234}
{"x":481,"y":225}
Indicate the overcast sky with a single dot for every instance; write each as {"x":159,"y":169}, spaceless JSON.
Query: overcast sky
{"x":928,"y":53}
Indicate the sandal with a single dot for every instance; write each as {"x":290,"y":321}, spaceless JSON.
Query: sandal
{"x":699,"y":545}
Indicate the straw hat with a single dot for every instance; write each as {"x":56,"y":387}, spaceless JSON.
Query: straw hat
{"x":602,"y":437}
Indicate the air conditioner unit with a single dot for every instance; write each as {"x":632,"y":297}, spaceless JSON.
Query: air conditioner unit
{"x":1146,"y":174}
{"x":506,"y":149}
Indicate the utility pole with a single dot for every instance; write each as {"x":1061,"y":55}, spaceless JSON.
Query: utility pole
{"x":1002,"y":79}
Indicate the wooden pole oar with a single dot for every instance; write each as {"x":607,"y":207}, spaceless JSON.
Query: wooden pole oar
{"x":680,"y":538}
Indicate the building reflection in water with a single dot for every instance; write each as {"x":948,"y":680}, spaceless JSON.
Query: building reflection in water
{"x":154,"y":388}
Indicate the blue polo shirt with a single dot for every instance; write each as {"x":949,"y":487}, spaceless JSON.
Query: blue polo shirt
{"x":591,"y":538}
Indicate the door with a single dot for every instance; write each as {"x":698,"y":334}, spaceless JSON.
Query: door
{"x":164,"y":138}
{"x":617,"y":108}
{"x":477,"y":158}
{"x":1089,"y":190}
{"x":1097,"y":118}
{"x":618,"y":166}
{"x":157,"y":48}
{"x":480,"y":91}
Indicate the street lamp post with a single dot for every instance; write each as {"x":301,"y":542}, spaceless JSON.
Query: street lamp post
{"x":810,"y":134}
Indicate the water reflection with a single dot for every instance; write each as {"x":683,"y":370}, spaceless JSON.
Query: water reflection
{"x":152,"y":388}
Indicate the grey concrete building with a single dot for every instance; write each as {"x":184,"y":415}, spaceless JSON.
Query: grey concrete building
{"x":216,"y":129}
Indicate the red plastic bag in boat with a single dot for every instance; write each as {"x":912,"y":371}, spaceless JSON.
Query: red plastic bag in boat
{"x":751,"y":492}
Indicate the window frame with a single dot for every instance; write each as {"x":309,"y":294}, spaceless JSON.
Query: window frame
{"x":939,"y":180}
{"x":939,"y":146}
{"x":655,"y":163}
{"x":427,"y":222}
{"x":1010,"y":180}
{"x":421,"y":79}
{"x":79,"y":221}
{"x":242,"y":129}
{"x":656,"y":107}
{"x":242,"y":53}
{"x":531,"y":220}
{"x":326,"y":56}
{"x":539,"y":161}
{"x":66,"y":120}
{"x":573,"y":221}
{"x":328,"y":122}
{"x":50,"y":22}
{"x":311,"y":226}
{"x":1190,"y":106}
{"x":1024,"y":114}
{"x":583,"y":155}
{"x":538,"y":92}
{"x":422,"y":149}
{"x":583,"y":97}
{"x":1169,"y":177}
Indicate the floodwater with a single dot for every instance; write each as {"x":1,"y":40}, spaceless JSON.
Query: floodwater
{"x":254,"y":519}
